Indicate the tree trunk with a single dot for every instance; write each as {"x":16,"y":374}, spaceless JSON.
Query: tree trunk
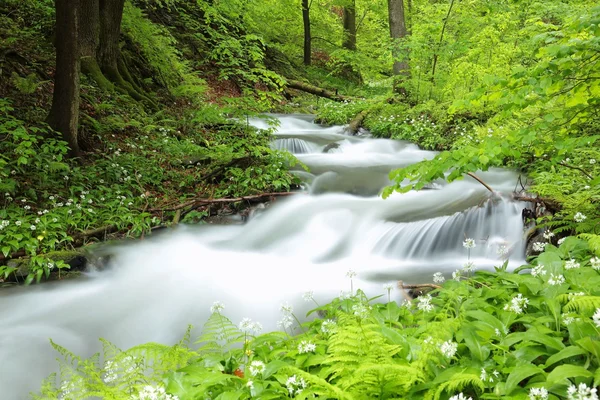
{"x":397,"y":21}
{"x":111,"y":13}
{"x":350,"y":26}
{"x":307,"y":36}
{"x":64,"y":113}
{"x":89,"y":38}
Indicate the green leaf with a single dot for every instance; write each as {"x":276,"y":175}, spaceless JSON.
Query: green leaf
{"x":520,"y":373}
{"x":562,"y":372}
{"x":567,"y":352}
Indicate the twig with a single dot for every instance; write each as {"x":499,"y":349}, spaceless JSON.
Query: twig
{"x":478,"y":179}
{"x":577,"y":168}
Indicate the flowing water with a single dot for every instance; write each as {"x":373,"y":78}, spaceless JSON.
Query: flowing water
{"x":156,"y":287}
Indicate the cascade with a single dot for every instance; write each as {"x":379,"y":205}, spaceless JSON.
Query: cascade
{"x":155,"y":288}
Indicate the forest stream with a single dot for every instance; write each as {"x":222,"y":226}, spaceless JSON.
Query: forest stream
{"x":154,"y":288}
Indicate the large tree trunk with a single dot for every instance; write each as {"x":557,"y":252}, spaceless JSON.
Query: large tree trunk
{"x":397,"y":21}
{"x":89,"y":39}
{"x":64,"y":113}
{"x":350,"y":26}
{"x":307,"y":35}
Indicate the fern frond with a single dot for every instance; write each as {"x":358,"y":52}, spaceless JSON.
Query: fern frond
{"x":219,"y":334}
{"x":457,"y":383}
{"x":593,"y":242}
{"x":317,"y":385}
{"x":383,"y":378}
{"x":582,"y":304}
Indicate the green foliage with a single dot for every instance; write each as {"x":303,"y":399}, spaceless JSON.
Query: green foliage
{"x":495,"y":335}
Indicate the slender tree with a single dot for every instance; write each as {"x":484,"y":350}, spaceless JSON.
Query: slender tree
{"x":349,"y":41}
{"x":64,"y":113}
{"x":307,"y":35}
{"x":398,"y":31}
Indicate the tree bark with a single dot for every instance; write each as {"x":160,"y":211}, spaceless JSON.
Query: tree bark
{"x":349,"y":41}
{"x":398,"y":31}
{"x":307,"y":35}
{"x":64,"y":112}
{"x":89,"y":40}
{"x":111,"y":14}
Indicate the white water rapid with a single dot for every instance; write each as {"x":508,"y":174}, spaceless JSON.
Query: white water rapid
{"x":156,"y":287}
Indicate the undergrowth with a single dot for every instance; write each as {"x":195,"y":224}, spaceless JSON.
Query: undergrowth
{"x":532,"y":333}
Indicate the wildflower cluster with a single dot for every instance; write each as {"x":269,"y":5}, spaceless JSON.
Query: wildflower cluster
{"x":155,"y":393}
{"x":518,"y":304}
{"x":295,"y":385}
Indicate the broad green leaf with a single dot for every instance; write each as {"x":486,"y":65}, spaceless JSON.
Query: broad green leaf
{"x":562,"y":372}
{"x":520,"y":373}
{"x":567,"y":352}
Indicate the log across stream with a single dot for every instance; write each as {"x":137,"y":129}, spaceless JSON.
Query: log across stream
{"x":155,"y":288}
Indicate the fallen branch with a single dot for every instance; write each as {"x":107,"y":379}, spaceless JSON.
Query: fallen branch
{"x":551,"y":205}
{"x":317,"y":91}
{"x":478,"y":179}
{"x":202,"y":201}
{"x":356,"y":123}
{"x":401,"y":285}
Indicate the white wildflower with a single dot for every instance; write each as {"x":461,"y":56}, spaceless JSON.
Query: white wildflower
{"x":571,"y":264}
{"x":424,"y":303}
{"x":361,"y":310}
{"x":256,"y":367}
{"x":250,"y":384}
{"x":460,"y":396}
{"x":449,"y":348}
{"x":18,"y":223}
{"x":32,"y":227}
{"x":248,"y":326}
{"x":561,"y":241}
{"x":567,"y":319}
{"x":592,"y":161}
{"x":155,"y":393}
{"x":469,"y":243}
{"x":539,"y":246}
{"x":538,"y":270}
{"x":517,"y":304}
{"x":595,"y":263}
{"x":502,"y":250}
{"x":456,"y":275}
{"x":538,"y":394}
{"x":217,"y":307}
{"x":438,"y":277}
{"x":483,"y":375}
{"x":309,"y":295}
{"x":556,"y":279}
{"x":306,"y":347}
{"x":286,"y":308}
{"x":351,"y":273}
{"x":548,"y":235}
{"x":295,"y":385}
{"x":579,"y":217}
{"x":596,"y":317}
{"x":328,"y":326}
{"x":468,"y":267}
{"x":388,"y":287}
{"x":581,"y":392}
{"x":285,"y":322}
